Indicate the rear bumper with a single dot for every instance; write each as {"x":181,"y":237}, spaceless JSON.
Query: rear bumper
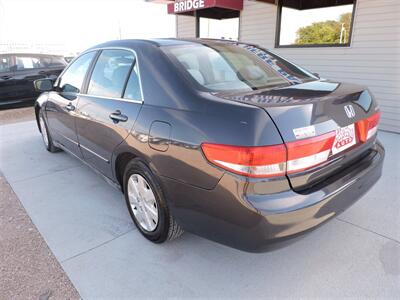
{"x":246,"y":215}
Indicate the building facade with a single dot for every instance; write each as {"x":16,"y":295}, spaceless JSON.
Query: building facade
{"x":367,"y":53}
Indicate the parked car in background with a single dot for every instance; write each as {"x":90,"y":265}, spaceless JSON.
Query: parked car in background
{"x":18,"y":72}
{"x":222,"y":139}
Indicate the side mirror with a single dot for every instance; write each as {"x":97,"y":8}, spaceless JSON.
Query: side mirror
{"x":43,"y":85}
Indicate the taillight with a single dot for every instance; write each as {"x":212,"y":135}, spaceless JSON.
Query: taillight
{"x":269,"y":161}
{"x":367,"y":128}
{"x":279,"y":160}
{"x":265,"y":161}
{"x":308,"y":153}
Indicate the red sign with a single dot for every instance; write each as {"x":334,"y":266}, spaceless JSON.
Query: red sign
{"x":182,"y":6}
{"x":344,"y":139}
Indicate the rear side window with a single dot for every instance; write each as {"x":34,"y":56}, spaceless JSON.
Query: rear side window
{"x":133,"y":90}
{"x":110,"y":73}
{"x":53,"y":61}
{"x":5,"y":64}
{"x":72,"y":80}
{"x":28,"y":62}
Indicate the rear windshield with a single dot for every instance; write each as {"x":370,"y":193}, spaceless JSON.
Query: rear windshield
{"x":231,"y":67}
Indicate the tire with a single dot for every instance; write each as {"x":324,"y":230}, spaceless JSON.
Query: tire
{"x":46,"y":137}
{"x":165,"y":228}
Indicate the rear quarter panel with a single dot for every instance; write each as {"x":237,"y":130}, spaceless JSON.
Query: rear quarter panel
{"x":219,"y":122}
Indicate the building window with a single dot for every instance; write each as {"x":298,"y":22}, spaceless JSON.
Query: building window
{"x":314,"y":23}
{"x":227,"y":29}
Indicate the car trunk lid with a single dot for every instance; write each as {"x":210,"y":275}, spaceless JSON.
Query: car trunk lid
{"x":311,"y":112}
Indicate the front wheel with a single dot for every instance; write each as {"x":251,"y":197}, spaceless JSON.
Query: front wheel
{"x":46,"y":137}
{"x":146,"y":204}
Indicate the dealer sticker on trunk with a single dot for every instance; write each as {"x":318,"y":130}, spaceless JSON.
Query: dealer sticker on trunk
{"x":304,"y":132}
{"x":345,"y":138}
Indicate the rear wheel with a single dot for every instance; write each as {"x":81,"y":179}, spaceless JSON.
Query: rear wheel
{"x":146,"y":204}
{"x":46,"y":137}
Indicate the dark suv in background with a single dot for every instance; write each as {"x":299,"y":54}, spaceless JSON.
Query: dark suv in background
{"x":18,"y":71}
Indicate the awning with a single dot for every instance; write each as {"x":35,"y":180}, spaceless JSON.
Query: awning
{"x":214,"y":9}
{"x":309,"y":4}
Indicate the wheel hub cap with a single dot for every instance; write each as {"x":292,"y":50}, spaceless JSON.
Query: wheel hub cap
{"x":143,"y":202}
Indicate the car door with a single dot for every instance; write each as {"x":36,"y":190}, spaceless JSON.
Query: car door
{"x":108,"y":110}
{"x":62,"y":102}
{"x":7,"y":80}
{"x":28,"y":69}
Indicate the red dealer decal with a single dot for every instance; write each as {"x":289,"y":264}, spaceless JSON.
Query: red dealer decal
{"x":181,"y":6}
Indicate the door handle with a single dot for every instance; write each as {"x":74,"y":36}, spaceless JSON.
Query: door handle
{"x":6,"y":77}
{"x":69,"y":107}
{"x":117,"y":116}
{"x":42,"y":72}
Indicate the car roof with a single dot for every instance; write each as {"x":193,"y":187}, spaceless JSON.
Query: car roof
{"x":160,"y":42}
{"x":175,"y":41}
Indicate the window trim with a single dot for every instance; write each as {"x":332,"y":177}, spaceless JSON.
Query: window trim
{"x":111,"y":98}
{"x":278,"y":31}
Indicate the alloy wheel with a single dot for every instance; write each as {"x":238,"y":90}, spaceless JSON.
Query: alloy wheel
{"x":143,"y":202}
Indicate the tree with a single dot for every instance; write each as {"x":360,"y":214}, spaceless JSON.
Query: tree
{"x":327,"y":32}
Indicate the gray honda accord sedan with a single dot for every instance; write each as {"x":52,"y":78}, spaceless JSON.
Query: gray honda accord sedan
{"x":222,"y":139}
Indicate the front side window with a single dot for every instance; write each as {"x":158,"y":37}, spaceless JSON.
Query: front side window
{"x":72,"y":80}
{"x":110,"y":73}
{"x":302,"y":24}
{"x":228,"y":67}
{"x":5,"y":63}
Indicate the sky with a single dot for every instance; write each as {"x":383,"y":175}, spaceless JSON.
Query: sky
{"x":76,"y":25}
{"x":293,"y":19}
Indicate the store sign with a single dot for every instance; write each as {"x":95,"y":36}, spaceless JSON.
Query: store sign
{"x":184,"y":6}
{"x":188,"y":5}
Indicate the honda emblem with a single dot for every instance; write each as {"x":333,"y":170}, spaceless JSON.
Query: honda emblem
{"x":349,"y":109}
